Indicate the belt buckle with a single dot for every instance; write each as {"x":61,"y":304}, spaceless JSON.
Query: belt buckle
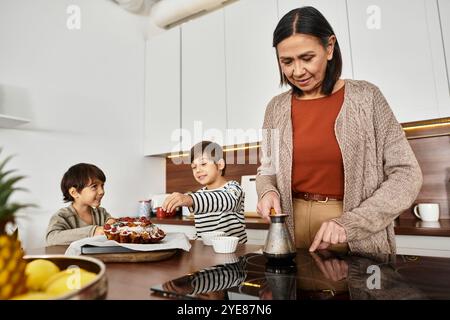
{"x":306,"y":196}
{"x":323,"y":201}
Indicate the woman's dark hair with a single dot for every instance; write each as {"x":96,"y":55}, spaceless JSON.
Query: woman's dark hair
{"x":309,"y":20}
{"x":78,"y":176}
{"x":211,"y":149}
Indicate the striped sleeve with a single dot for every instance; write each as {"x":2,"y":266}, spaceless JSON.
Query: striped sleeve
{"x":219,"y":278}
{"x":218,"y":200}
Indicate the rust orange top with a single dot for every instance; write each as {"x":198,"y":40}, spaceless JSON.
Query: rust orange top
{"x":317,"y":165}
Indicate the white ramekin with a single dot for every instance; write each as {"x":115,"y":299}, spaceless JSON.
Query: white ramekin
{"x":208,"y":236}
{"x":225,"y":244}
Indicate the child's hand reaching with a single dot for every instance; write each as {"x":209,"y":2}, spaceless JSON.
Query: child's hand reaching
{"x":176,"y":200}
{"x":99,"y":231}
{"x":110,"y":221}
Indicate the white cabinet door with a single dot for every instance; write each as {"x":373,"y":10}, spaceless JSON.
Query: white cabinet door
{"x":251,"y":67}
{"x":397,"y":45}
{"x":203,"y":80}
{"x":189,"y":231}
{"x":423,"y":246}
{"x":444,"y":11}
{"x":335,"y":11}
{"x":162,"y":107}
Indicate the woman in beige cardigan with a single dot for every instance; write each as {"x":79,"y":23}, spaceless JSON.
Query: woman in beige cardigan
{"x":335,"y":159}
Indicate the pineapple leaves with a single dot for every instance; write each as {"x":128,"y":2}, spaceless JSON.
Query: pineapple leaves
{"x":4,"y":162}
{"x":7,"y":188}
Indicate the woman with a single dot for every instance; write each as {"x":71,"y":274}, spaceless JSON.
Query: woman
{"x":335,"y":159}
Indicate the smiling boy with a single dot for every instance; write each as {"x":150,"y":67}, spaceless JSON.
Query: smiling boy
{"x":83,"y":186}
{"x":219,"y":205}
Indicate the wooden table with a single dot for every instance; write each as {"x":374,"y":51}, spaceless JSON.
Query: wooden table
{"x":133,"y":281}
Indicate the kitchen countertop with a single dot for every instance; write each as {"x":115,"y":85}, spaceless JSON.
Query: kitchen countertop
{"x":402,"y":226}
{"x":322,"y":275}
{"x":415,"y":227}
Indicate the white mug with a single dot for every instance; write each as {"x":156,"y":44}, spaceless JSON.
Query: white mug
{"x":427,"y":211}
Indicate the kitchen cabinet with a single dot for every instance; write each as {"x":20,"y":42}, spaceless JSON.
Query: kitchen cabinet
{"x":163,"y":93}
{"x":256,"y":236}
{"x":423,"y":246}
{"x":398,"y":46}
{"x":444,"y":11}
{"x":252,"y":76}
{"x":203,"y":84}
{"x":189,"y":231}
{"x":335,"y":11}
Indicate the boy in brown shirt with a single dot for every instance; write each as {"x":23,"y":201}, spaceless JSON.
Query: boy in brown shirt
{"x":83,"y":186}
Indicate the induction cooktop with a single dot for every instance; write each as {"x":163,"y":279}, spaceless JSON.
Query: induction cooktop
{"x":316,"y":276}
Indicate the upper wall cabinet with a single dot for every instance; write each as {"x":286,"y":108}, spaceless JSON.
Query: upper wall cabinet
{"x":203,"y":80}
{"x":444,"y":11}
{"x":397,"y":45}
{"x":252,"y":75}
{"x":335,"y":11}
{"x":162,"y":109}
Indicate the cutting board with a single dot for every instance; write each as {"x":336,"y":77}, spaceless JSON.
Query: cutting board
{"x":144,"y":256}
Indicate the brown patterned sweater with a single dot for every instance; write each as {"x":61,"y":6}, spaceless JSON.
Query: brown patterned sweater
{"x":381,"y":175}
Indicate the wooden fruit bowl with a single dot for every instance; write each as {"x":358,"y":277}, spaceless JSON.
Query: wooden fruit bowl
{"x":95,"y":289}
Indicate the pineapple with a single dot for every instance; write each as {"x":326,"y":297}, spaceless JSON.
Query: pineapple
{"x":12,"y":264}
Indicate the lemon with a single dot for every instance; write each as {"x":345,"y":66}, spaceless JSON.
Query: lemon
{"x":68,"y":280}
{"x":33,"y":296}
{"x":38,"y":272}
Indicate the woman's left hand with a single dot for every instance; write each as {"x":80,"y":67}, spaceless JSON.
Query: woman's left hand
{"x":329,"y":233}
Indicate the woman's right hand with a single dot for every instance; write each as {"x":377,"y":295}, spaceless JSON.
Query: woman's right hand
{"x":268,"y":201}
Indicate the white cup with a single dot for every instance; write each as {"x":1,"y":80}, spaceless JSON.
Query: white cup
{"x":427,"y":211}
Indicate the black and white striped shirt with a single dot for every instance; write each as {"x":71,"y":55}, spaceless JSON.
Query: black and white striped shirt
{"x":220,"y":209}
{"x":219,"y":277}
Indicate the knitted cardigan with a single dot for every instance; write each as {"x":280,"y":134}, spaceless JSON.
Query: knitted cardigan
{"x":381,"y":175}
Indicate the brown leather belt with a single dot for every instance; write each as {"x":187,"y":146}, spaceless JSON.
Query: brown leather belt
{"x":315,"y":196}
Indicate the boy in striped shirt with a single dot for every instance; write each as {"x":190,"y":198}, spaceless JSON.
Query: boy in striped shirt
{"x":219,"y":205}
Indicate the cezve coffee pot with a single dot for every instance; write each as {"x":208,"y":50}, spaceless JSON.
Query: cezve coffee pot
{"x":279,"y":245}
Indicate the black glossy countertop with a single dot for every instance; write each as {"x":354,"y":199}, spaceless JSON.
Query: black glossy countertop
{"x":318,"y":276}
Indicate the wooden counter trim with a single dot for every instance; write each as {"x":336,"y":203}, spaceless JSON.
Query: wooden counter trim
{"x":250,"y":223}
{"x":427,"y":128}
{"x":415,"y":227}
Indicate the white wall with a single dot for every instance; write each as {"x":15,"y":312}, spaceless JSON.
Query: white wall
{"x":83,"y":91}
